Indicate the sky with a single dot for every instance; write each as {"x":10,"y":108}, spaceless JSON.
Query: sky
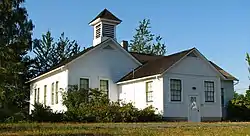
{"x":219,"y":29}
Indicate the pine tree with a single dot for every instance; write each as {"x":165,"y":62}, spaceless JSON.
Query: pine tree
{"x":143,"y":40}
{"x":49,"y":53}
{"x":15,"y":42}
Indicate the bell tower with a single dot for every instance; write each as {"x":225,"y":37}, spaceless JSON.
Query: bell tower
{"x":104,"y":26}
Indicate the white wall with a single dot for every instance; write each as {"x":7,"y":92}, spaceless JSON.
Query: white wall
{"x":228,"y":90}
{"x":111,"y":64}
{"x":135,"y":92}
{"x":60,"y":76}
{"x":228,"y":87}
{"x":193,"y":71}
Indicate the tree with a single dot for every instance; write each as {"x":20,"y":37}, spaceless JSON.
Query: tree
{"x":143,"y":40}
{"x":49,"y":53}
{"x":248,"y":61}
{"x":66,"y":48}
{"x":15,"y":42}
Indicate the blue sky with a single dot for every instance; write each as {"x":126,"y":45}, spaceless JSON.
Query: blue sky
{"x":219,"y":29}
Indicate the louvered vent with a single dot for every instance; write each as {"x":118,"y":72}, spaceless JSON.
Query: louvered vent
{"x":108,"y":30}
{"x":192,"y":55}
{"x":98,"y":31}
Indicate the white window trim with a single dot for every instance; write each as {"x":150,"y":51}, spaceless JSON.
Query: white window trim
{"x":58,"y":92}
{"x":146,"y":91}
{"x":99,"y":83}
{"x":38,"y":95}
{"x":52,"y":85}
{"x":203,"y":92}
{"x":45,"y":95}
{"x":169,"y":90}
{"x":85,"y":77}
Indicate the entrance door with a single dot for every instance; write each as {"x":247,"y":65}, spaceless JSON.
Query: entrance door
{"x":194,"y":109}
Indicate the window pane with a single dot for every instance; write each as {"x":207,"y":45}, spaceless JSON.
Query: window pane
{"x":84,"y":83}
{"x":45,"y":94}
{"x":104,"y":86}
{"x":149,"y":92}
{"x":57,"y":92}
{"x":35,"y":96}
{"x":52,"y":94}
{"x":222,"y":97}
{"x":175,"y":89}
{"x":209,"y":91}
{"x":38,"y":93}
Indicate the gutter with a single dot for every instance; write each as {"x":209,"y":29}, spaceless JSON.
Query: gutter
{"x":59,"y":68}
{"x":137,"y":79}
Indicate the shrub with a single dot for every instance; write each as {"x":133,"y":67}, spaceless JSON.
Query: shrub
{"x":42,"y":113}
{"x":93,"y":105}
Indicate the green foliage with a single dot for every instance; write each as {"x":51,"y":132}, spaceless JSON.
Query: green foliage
{"x":143,"y":40}
{"x":49,"y":53}
{"x":248,"y":60}
{"x":238,"y":109}
{"x":42,"y":113}
{"x":93,"y":105}
{"x":15,"y":42}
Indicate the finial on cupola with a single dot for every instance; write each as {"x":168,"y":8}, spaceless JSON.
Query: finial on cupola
{"x":104,"y":26}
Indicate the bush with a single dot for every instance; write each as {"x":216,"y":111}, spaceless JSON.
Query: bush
{"x":45,"y":114}
{"x":93,"y":105}
{"x":238,"y":109}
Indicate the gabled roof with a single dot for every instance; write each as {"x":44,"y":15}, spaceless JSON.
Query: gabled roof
{"x":223,"y":72}
{"x":144,"y":58}
{"x":69,"y":60}
{"x":106,"y":15}
{"x":154,"y":65}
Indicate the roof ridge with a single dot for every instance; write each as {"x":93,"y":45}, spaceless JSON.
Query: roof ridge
{"x":145,"y":54}
{"x":187,"y":50}
{"x":105,"y":13}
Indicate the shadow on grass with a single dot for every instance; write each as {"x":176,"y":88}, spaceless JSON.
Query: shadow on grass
{"x":78,"y":134}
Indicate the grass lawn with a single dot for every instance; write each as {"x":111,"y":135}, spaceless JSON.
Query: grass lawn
{"x":130,"y":129}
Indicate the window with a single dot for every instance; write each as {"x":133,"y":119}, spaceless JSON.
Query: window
{"x":84,"y":83}
{"x":209,"y":91}
{"x":104,"y":86}
{"x":52,"y":94}
{"x":57,"y":92}
{"x":149,"y":92}
{"x":175,"y":89}
{"x":38,"y":93}
{"x":98,"y":31}
{"x":35,"y":96}
{"x":222,"y":97}
{"x":45,"y":94}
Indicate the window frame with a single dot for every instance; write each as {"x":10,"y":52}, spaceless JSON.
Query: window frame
{"x":108,"y":85}
{"x":56,"y":92}
{"x":38,"y":95}
{"x":52,"y":93}
{"x":44,"y":94}
{"x":35,"y":93}
{"x":222,"y":97}
{"x":79,"y":85}
{"x":181,"y":93}
{"x":147,"y":91}
{"x":204,"y":87}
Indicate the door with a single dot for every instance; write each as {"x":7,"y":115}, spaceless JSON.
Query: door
{"x":194,"y":109}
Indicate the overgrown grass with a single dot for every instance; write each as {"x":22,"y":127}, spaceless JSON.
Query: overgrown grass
{"x":130,"y":129}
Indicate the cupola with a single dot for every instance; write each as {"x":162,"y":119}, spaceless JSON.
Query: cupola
{"x":104,"y":26}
